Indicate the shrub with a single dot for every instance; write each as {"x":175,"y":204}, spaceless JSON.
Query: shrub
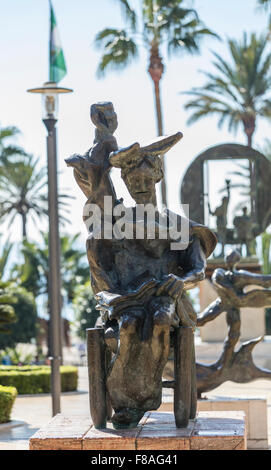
{"x":7,"y":398}
{"x":36,"y":379}
{"x":25,"y":328}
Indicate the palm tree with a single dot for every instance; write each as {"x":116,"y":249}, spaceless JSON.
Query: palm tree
{"x":22,"y":186}
{"x":8,"y":150}
{"x":163,"y":21}
{"x":33,"y":273}
{"x":264,"y":3}
{"x":238,"y":92}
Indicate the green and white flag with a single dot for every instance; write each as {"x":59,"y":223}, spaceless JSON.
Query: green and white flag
{"x":57,"y":62}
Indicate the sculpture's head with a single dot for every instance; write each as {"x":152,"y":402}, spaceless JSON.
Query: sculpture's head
{"x":232,"y":258}
{"x":141,"y":167}
{"x":104,"y":117}
{"x":141,"y":179}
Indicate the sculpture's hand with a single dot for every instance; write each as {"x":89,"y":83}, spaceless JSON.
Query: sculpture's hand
{"x":171,"y":285}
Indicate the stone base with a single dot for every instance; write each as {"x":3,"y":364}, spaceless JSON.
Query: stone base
{"x":255,"y":410}
{"x":209,"y":431}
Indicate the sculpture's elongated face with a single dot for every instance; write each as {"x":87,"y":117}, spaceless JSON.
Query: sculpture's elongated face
{"x":140,"y":182}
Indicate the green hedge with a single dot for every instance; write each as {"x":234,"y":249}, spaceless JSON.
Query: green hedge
{"x":36,"y":379}
{"x":7,"y":398}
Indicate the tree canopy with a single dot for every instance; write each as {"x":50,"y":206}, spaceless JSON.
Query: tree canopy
{"x":237,"y":92}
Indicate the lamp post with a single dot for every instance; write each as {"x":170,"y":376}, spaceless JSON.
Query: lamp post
{"x":50,"y":92}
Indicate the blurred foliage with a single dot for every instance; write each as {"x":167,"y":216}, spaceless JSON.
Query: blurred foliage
{"x":7,"y":310}
{"x":16,"y":356}
{"x":158,"y":22}
{"x":25,"y":310}
{"x":85,"y":309}
{"x":237,"y":92}
{"x":7,"y":398}
{"x":33,"y":273}
{"x":37,"y":379}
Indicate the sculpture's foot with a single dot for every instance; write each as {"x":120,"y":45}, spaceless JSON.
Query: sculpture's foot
{"x":127,"y":418}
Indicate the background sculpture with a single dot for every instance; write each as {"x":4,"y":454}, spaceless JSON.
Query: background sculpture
{"x":244,"y":231}
{"x":139,"y":283}
{"x":230,"y":284}
{"x":193,"y":188}
{"x":221,"y":214}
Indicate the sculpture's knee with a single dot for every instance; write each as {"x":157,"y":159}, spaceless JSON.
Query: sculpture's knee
{"x":161,"y":318}
{"x":163,"y":309}
{"x":129,"y":320}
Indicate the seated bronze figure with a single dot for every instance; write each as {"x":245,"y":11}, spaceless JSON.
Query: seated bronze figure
{"x":139,"y":282}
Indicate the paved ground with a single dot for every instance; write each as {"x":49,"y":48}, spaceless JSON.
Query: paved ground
{"x":35,"y":411}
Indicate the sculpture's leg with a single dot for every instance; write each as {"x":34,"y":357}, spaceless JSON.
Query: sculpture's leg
{"x":193,"y":407}
{"x":182,"y":372}
{"x":108,"y":357}
{"x":97,"y":376}
{"x":134,"y":381}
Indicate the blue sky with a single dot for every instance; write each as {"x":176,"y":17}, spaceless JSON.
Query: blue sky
{"x":24,"y":35}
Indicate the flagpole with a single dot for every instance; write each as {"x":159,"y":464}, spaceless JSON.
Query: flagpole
{"x":50,"y":39}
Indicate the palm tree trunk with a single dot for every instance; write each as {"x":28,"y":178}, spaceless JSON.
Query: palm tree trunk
{"x":158,"y":108}
{"x":24,"y":225}
{"x":156,"y":70}
{"x":249,"y":127}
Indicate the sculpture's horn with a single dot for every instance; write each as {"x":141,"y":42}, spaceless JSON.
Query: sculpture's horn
{"x":126,"y":156}
{"x":161,"y":145}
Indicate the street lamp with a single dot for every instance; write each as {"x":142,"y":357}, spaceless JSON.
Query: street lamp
{"x":50,"y":92}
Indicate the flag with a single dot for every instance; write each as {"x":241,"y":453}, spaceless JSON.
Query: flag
{"x":57,"y":61}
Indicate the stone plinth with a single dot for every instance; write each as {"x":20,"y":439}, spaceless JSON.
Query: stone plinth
{"x":209,"y":431}
{"x":255,"y":410}
{"x":252,"y":319}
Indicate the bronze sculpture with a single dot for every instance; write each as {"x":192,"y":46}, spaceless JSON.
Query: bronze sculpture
{"x":194,"y":185}
{"x":230,"y":284}
{"x":221,"y":213}
{"x":244,"y":230}
{"x":139,"y":282}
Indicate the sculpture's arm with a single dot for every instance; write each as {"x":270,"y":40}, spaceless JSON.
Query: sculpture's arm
{"x":102,"y":278}
{"x":86,"y":173}
{"x":243,"y":278}
{"x":224,"y":285}
{"x":210,"y":210}
{"x":91,"y":169}
{"x":228,"y":187}
{"x":211,"y":312}
{"x":228,"y":190}
{"x":193,"y":271}
{"x":229,"y":286}
{"x":196,"y":264}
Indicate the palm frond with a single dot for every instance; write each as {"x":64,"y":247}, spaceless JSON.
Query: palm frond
{"x":118,"y":47}
{"x":239,"y":91}
{"x":129,"y":13}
